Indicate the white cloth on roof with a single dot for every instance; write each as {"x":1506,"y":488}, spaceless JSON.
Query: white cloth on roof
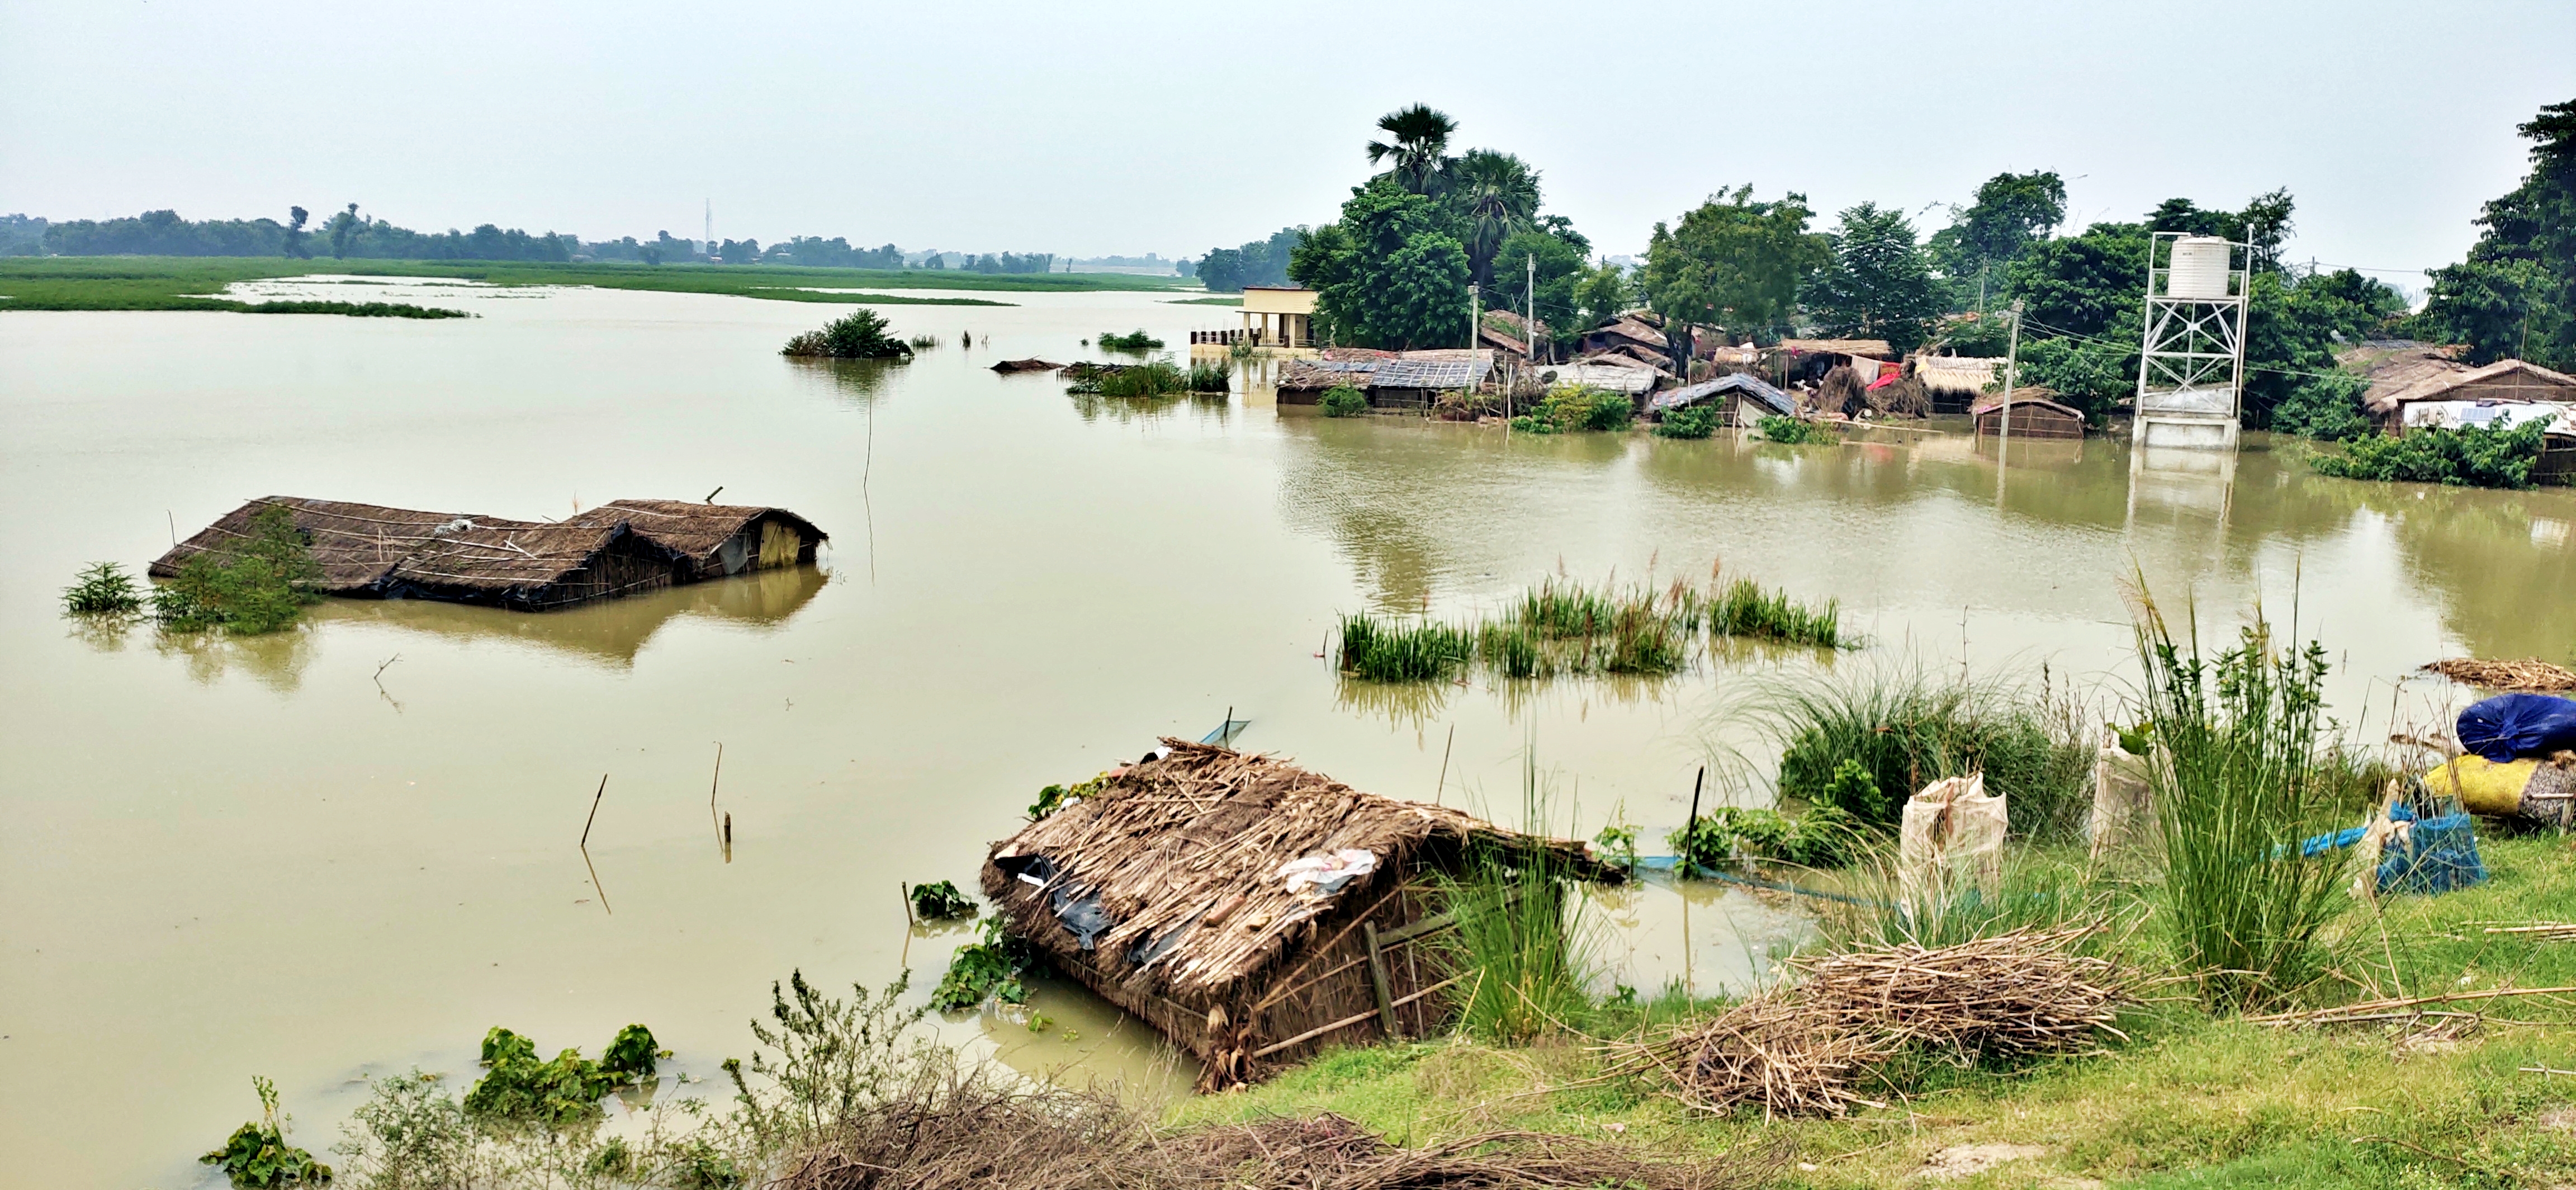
{"x":1321,"y":876}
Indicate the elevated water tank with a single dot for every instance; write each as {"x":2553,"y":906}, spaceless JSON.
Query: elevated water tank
{"x":2199,"y":268}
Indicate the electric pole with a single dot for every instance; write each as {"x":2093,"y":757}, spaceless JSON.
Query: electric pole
{"x":2012,"y":377}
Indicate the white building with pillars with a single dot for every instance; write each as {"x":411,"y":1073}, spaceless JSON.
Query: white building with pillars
{"x":1276,"y":319}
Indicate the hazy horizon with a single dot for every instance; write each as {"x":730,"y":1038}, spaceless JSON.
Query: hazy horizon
{"x":1174,"y":128}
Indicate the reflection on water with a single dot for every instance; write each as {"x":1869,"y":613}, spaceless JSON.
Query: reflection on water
{"x":610,"y":631}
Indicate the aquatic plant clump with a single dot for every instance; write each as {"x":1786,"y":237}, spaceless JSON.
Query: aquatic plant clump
{"x":1863,"y":743}
{"x":985,"y":970}
{"x":860,"y":334}
{"x":103,"y":589}
{"x":257,"y":584}
{"x":940,"y":901}
{"x":1342,"y":400}
{"x":257,"y":1157}
{"x":2471,"y":456}
{"x":1825,"y":836}
{"x":563,"y":1091}
{"x":1209,"y":378}
{"x":1381,"y":651}
{"x":1694,"y":421}
{"x":1793,"y":431}
{"x":1744,"y":609}
{"x":1136,"y":340}
{"x":1154,"y":378}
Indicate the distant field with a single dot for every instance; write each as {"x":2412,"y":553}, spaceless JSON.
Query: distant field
{"x":195,"y":283}
{"x":1205,"y":301}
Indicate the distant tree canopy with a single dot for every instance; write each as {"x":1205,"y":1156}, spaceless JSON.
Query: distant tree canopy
{"x":1257,"y":262}
{"x":1880,"y":284}
{"x":1393,"y":271}
{"x":164,"y":233}
{"x":2515,"y":295}
{"x":2012,"y":212}
{"x":1734,"y":263}
{"x":21,"y":235}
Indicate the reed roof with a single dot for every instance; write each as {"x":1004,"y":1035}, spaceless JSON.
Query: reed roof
{"x":498,"y":557}
{"x":694,"y":530}
{"x":1183,"y":852}
{"x":1878,"y":349}
{"x":1956,"y":373}
{"x":356,"y":545}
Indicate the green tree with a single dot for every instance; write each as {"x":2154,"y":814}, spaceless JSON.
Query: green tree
{"x":295,"y":217}
{"x":1389,"y":274}
{"x":1600,"y":293}
{"x":1880,"y":285}
{"x":1497,"y":197}
{"x":1560,"y":259}
{"x":1734,"y":263}
{"x":1417,"y":146}
{"x":340,"y":228}
{"x":2012,"y":212}
{"x":2515,"y":294}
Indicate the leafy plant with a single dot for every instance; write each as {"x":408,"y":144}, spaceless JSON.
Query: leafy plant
{"x":1823,"y":837}
{"x":256,"y":1156}
{"x":255,"y":584}
{"x":1136,"y":340}
{"x":1793,"y":431}
{"x":1342,"y":400}
{"x":1690,"y":421}
{"x":559,"y":1093}
{"x":941,"y":901}
{"x":1056,"y":797}
{"x":860,"y":334}
{"x":986,"y":970}
{"x":1569,"y":408}
{"x":2471,"y":456}
{"x":832,"y":1057}
{"x":103,"y":589}
{"x":1616,"y":843}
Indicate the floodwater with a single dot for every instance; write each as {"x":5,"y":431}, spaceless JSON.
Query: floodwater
{"x":350,"y":849}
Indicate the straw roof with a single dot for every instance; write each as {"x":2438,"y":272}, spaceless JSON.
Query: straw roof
{"x":1182,"y":855}
{"x":2505,"y":380}
{"x":519,"y":563}
{"x":696,"y":531}
{"x":355,"y":545}
{"x":1956,"y":373}
{"x":1872,"y":348}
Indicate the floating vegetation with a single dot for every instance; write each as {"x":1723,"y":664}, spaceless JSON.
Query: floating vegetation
{"x":1793,"y":431}
{"x":1210,"y":378}
{"x":1560,"y":627}
{"x":1154,"y":378}
{"x":986,"y":970}
{"x":352,"y":309}
{"x":1342,"y":400}
{"x":564,"y":1091}
{"x":1691,"y":421}
{"x":1136,"y":340}
{"x":257,"y":1157}
{"x":941,"y":901}
{"x":860,"y":334}
{"x":924,"y":341}
{"x":103,"y":589}
{"x":257,"y":584}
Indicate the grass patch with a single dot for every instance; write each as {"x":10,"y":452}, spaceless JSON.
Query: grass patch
{"x":1524,"y":971}
{"x":1385,"y":651}
{"x":1205,"y":301}
{"x":1153,"y":378}
{"x":1209,"y":378}
{"x":1742,"y":608}
{"x":1560,"y":627}
{"x":1136,"y":340}
{"x":1905,"y":729}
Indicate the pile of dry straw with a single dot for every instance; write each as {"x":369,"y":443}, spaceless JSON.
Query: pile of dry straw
{"x":1806,"y":1049}
{"x":2528,"y":676}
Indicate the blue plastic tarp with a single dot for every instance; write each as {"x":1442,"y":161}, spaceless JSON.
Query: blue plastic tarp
{"x":2511,"y":725}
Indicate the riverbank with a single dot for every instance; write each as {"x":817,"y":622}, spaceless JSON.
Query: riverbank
{"x":2473,"y":1094}
{"x":197,"y":282}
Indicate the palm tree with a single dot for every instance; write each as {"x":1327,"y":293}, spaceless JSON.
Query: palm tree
{"x":1498,"y":194}
{"x":1421,"y":138}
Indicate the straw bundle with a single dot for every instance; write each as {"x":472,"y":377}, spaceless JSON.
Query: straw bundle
{"x":1801,"y":1050}
{"x":2530,"y":675}
{"x":1840,"y":391}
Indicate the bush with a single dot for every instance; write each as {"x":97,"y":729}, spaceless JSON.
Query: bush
{"x":861,"y":334}
{"x":1154,"y":378}
{"x":258,"y":583}
{"x":1136,"y":340}
{"x":985,"y":970}
{"x":2326,"y":408}
{"x":1792,"y":431}
{"x":103,"y":589}
{"x":558,"y":1093}
{"x":1568,"y":408}
{"x":940,"y":902}
{"x":257,"y":1157}
{"x":1902,"y":731}
{"x":2473,"y":456}
{"x":1694,"y":421}
{"x":1210,"y":378}
{"x":1342,"y":400}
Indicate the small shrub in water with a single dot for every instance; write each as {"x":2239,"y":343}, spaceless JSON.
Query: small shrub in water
{"x":2472,"y":456}
{"x":1695,"y":421}
{"x":1210,"y":378}
{"x":924,"y":342}
{"x":942,"y":901}
{"x":257,"y":1157}
{"x":1791,"y":430}
{"x":1342,"y":400}
{"x":860,"y":334}
{"x":986,"y":970}
{"x":562,"y":1092}
{"x":1136,"y":340}
{"x":103,"y":589}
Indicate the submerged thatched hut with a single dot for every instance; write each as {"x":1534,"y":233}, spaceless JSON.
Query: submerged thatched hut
{"x":370,"y":551}
{"x":1186,"y":891}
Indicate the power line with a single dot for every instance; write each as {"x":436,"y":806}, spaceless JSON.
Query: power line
{"x":2064,"y":333}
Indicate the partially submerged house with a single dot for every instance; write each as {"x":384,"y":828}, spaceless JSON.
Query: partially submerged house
{"x":2426,"y":390}
{"x":372,"y":552}
{"x":1628,"y":379}
{"x":1251,"y":911}
{"x":1954,"y":382}
{"x":1807,"y":360}
{"x":1743,"y":399}
{"x":1392,"y":380}
{"x":2033,"y":412}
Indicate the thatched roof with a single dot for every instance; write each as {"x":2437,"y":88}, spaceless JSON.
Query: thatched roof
{"x":2503,"y":380}
{"x":1607,"y":377}
{"x":371,"y":550}
{"x":1031,"y":364}
{"x":1956,"y":373}
{"x":1871,"y":348}
{"x":2028,"y":394}
{"x":1632,"y":330}
{"x":1411,"y":369}
{"x":1180,"y":856}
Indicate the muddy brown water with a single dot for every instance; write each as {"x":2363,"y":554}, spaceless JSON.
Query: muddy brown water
{"x":350,"y":849}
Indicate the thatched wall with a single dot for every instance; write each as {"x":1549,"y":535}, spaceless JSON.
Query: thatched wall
{"x":1175,"y":865}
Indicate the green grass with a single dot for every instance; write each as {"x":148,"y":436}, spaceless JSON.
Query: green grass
{"x":193,"y":283}
{"x":1205,"y":301}
{"x":1386,"y":651}
{"x":2193,"y":1100}
{"x":1907,"y":729}
{"x":1744,"y":609}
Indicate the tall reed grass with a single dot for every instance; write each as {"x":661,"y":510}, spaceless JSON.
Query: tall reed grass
{"x":1744,"y":609}
{"x":1907,"y":729}
{"x":1523,"y":963}
{"x":1385,"y":651}
{"x":2242,"y":736}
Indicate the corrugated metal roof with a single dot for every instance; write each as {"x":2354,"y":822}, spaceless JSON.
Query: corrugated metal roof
{"x":1744,"y":382}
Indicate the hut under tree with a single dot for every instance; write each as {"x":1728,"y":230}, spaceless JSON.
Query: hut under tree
{"x":1952,"y":383}
{"x":1743,"y":400}
{"x":1169,"y":891}
{"x":368,"y":551}
{"x":2034,"y":414}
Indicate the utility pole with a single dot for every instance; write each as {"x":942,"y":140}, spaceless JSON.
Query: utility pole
{"x":2012,"y":378}
{"x":1475,"y":311}
{"x":1529,"y":323}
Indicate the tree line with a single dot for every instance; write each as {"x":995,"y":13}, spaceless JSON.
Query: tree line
{"x":1393,"y":271}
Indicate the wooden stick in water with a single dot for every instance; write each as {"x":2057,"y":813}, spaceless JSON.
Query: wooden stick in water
{"x":594,"y":813}
{"x":1443,"y":786}
{"x":728,"y":836}
{"x":721,"y":840}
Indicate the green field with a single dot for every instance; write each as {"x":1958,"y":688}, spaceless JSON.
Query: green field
{"x":196,"y":283}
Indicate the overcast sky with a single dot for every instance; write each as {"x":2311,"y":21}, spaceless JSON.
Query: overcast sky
{"x":1089,"y":129}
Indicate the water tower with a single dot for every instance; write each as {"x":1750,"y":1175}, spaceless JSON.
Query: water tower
{"x":2191,"y":369}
